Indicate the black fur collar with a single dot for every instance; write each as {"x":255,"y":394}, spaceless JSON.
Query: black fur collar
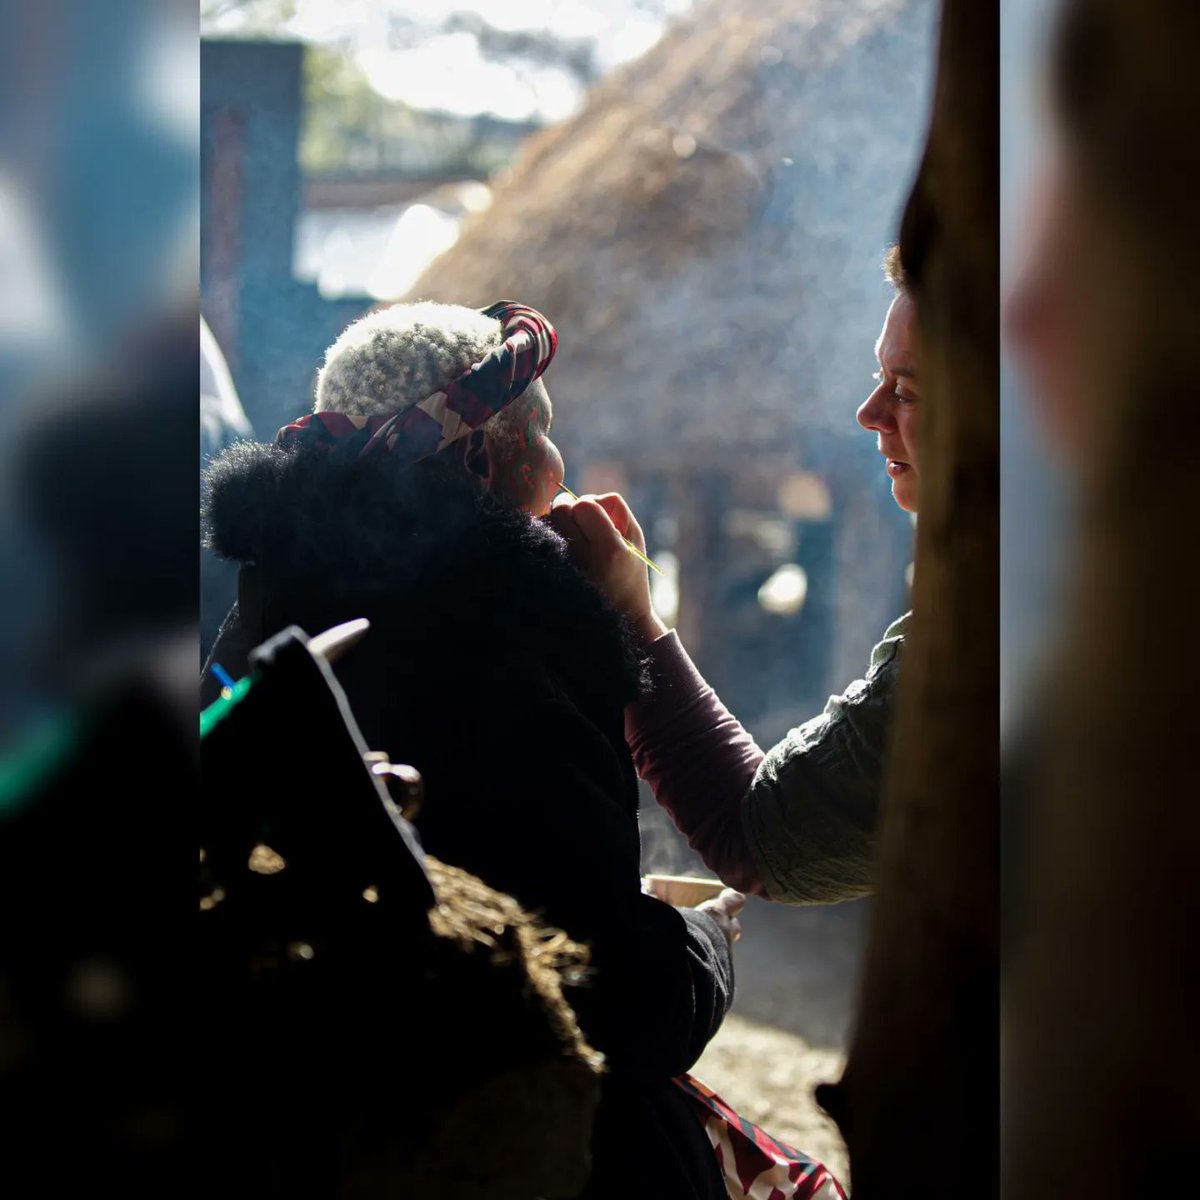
{"x":422,"y":552}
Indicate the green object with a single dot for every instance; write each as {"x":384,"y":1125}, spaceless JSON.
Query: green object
{"x":218,"y":710}
{"x":23,"y":771}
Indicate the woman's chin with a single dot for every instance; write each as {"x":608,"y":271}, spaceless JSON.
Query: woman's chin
{"x":904,"y":490}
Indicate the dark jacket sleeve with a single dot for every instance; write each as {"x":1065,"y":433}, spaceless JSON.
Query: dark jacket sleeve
{"x":555,"y":831}
{"x":698,"y":761}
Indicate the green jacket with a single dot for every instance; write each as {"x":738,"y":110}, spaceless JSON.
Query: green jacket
{"x":810,"y":816}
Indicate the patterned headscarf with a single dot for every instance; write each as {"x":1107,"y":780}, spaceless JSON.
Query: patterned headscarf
{"x":419,"y":430}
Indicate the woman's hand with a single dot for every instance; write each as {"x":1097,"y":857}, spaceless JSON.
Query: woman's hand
{"x":594,"y":527}
{"x":724,"y":910}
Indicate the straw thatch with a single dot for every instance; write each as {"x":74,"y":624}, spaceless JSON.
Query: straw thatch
{"x":709,"y":227}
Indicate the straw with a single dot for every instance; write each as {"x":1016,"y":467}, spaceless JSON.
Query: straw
{"x":632,"y":548}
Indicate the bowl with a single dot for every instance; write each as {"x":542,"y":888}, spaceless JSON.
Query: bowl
{"x":682,"y":891}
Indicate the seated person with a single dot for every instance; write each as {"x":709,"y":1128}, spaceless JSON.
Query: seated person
{"x":411,"y":496}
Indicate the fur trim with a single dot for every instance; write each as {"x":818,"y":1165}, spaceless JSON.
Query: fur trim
{"x":422,"y":552}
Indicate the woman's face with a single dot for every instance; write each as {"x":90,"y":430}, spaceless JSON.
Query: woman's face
{"x":526,"y":467}
{"x":1052,"y":312}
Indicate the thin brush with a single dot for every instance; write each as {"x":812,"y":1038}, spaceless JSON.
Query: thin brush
{"x":632,"y":548}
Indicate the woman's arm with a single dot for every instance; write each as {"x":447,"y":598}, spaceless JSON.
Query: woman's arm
{"x":797,"y":824}
{"x":812,"y":812}
{"x":698,"y":760}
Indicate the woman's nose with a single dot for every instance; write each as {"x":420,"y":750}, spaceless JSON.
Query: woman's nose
{"x":875,"y":413}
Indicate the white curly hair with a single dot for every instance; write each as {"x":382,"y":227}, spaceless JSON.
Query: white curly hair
{"x":398,"y":356}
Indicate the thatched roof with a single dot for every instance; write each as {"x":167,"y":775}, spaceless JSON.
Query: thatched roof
{"x":710,"y":226}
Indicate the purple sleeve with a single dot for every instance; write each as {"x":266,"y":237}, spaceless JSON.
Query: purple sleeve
{"x":698,"y":760}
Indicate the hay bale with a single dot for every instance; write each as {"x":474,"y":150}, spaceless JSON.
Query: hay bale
{"x":488,"y":934}
{"x":396,"y":1053}
{"x":520,"y":1124}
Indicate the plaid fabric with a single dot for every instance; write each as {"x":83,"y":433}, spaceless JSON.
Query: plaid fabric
{"x":470,"y":401}
{"x":755,"y":1165}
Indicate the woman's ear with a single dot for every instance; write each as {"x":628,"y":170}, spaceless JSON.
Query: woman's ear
{"x":476,"y":458}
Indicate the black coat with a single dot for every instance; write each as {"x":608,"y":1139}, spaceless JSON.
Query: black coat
{"x":494,"y":668}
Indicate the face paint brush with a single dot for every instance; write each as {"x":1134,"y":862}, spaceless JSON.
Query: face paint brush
{"x":632,"y":548}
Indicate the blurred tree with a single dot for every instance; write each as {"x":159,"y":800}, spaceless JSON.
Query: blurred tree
{"x":348,"y":127}
{"x":351,"y":127}
{"x":254,"y":16}
{"x":345,"y":118}
{"x":533,"y":47}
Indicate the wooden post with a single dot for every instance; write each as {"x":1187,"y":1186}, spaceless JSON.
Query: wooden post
{"x":918,"y":1102}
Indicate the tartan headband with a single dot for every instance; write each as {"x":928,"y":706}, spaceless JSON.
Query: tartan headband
{"x":419,"y":430}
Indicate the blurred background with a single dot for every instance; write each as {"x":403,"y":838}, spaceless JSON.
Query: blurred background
{"x":99,"y":239}
{"x":1035,"y":532}
{"x":699,"y":197}
{"x":99,"y":225}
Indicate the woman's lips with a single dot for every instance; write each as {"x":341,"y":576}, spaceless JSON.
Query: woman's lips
{"x":896,"y":467}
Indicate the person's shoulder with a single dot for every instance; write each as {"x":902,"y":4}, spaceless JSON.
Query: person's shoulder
{"x":887,"y":649}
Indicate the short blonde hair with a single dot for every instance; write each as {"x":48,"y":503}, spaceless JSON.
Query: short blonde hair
{"x":893,"y":268}
{"x":399,"y":356}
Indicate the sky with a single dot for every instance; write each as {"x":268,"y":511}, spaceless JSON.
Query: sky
{"x":447,"y":72}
